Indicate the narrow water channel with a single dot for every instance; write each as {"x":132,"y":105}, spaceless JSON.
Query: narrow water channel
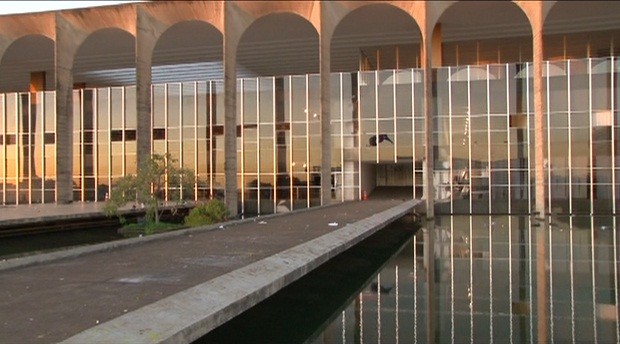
{"x":461,"y":279}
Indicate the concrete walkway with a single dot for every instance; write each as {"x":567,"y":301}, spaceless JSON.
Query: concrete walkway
{"x":177,"y":288}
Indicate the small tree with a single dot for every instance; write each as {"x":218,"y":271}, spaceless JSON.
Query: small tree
{"x":148,"y":186}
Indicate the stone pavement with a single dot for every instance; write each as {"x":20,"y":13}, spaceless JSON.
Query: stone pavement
{"x":54,"y":300}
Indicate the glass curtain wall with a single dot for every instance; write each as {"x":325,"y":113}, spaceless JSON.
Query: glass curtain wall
{"x":104,"y":140}
{"x":28,"y":148}
{"x":392,"y":135}
{"x":188,"y":124}
{"x":582,"y":117}
{"x":483,"y":138}
{"x":482,"y":160}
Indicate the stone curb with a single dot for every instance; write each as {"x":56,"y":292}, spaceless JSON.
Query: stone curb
{"x":188,"y":315}
{"x":20,"y":262}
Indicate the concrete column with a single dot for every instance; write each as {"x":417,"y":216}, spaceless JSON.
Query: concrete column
{"x":231,"y":42}
{"x":326,"y":131}
{"x":67,"y":38}
{"x":539,"y":122}
{"x":427,"y":58}
{"x":145,"y":44}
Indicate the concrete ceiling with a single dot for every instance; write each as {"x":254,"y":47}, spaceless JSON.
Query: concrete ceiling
{"x":286,"y":44}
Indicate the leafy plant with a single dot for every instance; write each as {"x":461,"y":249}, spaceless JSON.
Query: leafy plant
{"x":207,"y":213}
{"x":148,"y":186}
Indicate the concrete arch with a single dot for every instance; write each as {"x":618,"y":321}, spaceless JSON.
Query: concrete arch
{"x":252,"y":11}
{"x":581,"y":29}
{"x":264,"y":48}
{"x":336,"y":12}
{"x":190,"y":41}
{"x":28,"y":53}
{"x":359,"y":25}
{"x":463,"y":33}
{"x":105,"y":49}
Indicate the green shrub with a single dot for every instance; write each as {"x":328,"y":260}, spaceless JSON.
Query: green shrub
{"x":146,"y":228}
{"x":207,"y":213}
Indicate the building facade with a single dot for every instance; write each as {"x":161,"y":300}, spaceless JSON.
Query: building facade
{"x":478,"y":107}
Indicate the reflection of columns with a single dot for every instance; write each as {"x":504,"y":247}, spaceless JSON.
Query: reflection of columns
{"x":427,"y":57}
{"x":541,"y":280}
{"x":67,"y":39}
{"x":145,"y":43}
{"x":539,"y":143}
{"x":326,"y":131}
{"x":429,"y":264}
{"x":231,"y":41}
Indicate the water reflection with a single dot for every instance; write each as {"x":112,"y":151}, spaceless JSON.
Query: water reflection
{"x":480,"y":278}
{"x":476,"y":279}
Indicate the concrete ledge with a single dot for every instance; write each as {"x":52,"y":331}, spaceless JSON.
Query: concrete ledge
{"x":20,"y":262}
{"x":188,"y":315}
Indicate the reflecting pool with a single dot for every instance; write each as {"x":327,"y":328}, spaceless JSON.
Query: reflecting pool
{"x":477,"y":279}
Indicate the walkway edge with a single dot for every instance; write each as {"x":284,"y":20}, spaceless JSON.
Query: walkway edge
{"x":21,"y":262}
{"x":188,"y":315}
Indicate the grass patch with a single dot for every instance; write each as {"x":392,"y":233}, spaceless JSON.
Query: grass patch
{"x":136,"y":229}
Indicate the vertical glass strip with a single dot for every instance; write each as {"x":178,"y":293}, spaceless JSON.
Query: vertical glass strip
{"x":376,"y":81}
{"x":242,"y":120}
{"x":166,"y":186}
{"x":82,"y":146}
{"x":359,"y":137}
{"x":450,"y":158}
{"x":613,"y":150}
{"x":196,"y":168}
{"x":42,"y":102}
{"x":3,"y":118}
{"x":123,"y":127}
{"x":342,"y":168}
{"x":469,"y":135}
{"x":290,"y":151}
{"x":548,"y":158}
{"x":181,"y":159}
{"x":508,"y":146}
{"x":274,"y":165}
{"x":490,"y":164}
{"x":529,"y":143}
{"x":591,"y":144}
{"x":413,"y":145}
{"x":211,"y":139}
{"x":17,"y":148}
{"x":109,"y":142}
{"x":308,"y":141}
{"x":395,"y":78}
{"x":570,"y":143}
{"x":258,"y":147}
{"x":95,"y":142}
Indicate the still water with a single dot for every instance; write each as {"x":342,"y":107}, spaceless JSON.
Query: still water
{"x":461,"y":279}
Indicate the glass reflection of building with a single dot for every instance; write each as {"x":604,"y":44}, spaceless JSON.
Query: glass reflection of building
{"x":483,"y":130}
